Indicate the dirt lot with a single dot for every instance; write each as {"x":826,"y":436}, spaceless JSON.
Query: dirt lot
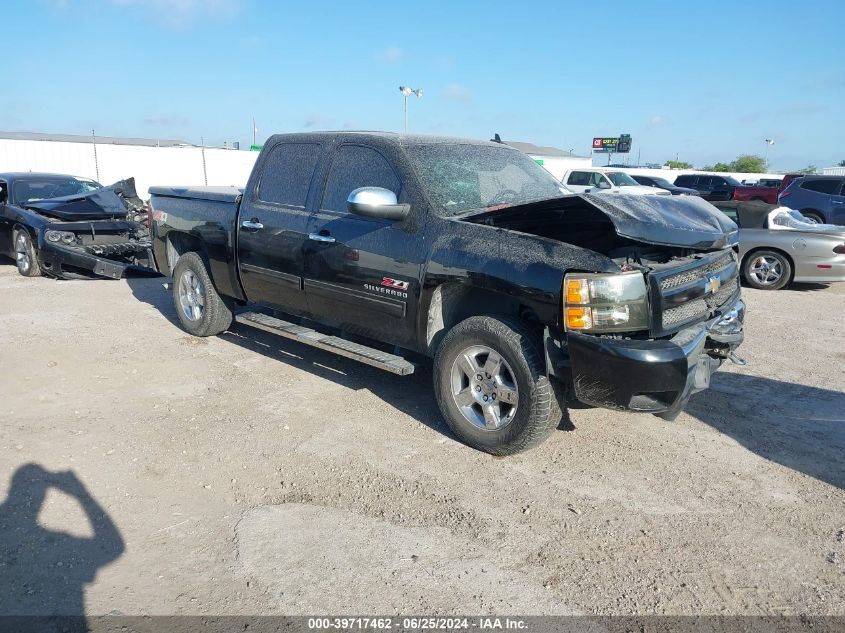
{"x":245,"y":474}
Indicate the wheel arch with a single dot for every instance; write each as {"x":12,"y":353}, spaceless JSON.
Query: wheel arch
{"x":178,"y":243}
{"x":452,"y":303}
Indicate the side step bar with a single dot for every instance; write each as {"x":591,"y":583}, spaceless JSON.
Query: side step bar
{"x":388,"y":362}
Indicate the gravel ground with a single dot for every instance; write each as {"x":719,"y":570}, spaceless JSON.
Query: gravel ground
{"x":246,"y":474}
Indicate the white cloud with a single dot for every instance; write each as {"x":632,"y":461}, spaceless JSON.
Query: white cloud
{"x":315,"y":120}
{"x":390,"y":55}
{"x":457,"y":92}
{"x":654,"y":121}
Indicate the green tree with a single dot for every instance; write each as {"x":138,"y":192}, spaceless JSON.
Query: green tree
{"x":809,"y":169}
{"x":677,"y":164}
{"x":842,"y":163}
{"x":717,"y":167}
{"x":749,"y":164}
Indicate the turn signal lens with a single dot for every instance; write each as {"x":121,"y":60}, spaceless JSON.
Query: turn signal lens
{"x":577,"y":291}
{"x":579,"y":318}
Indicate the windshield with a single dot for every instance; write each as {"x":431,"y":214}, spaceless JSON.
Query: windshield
{"x":461,"y":178}
{"x":621,"y":179}
{"x":662,"y":182}
{"x":34,"y":189}
{"x":733,"y":182}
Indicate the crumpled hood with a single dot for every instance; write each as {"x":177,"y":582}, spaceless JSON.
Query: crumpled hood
{"x":101,"y":204}
{"x":683,"y":221}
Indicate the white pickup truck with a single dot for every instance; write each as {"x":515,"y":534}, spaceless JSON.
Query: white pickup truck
{"x":599,"y":180}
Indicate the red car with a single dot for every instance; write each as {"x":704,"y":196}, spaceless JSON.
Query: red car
{"x":767,"y":192}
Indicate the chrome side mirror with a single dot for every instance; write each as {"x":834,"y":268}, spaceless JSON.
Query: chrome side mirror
{"x":376,"y":202}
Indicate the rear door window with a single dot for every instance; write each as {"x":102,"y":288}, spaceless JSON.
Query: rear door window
{"x":357,"y":166}
{"x":829,"y":186}
{"x":287,"y":173}
{"x":685,"y":181}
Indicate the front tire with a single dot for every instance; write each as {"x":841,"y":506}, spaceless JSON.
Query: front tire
{"x":767,"y":270}
{"x":491,"y":385}
{"x":26,"y":257}
{"x":202,"y":311}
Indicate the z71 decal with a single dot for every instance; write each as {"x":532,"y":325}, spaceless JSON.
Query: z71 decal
{"x":387,"y":282}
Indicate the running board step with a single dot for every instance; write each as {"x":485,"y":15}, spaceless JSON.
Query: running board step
{"x":362,"y":353}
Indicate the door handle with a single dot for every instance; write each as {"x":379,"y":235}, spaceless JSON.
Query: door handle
{"x":252,"y":224}
{"x":328,"y":239}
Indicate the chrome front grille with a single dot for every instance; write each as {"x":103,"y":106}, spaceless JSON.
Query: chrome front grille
{"x":686,"y":298}
{"x":695,"y":309}
{"x":690,"y":276}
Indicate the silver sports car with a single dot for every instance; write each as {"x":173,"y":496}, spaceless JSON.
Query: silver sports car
{"x":777,"y":247}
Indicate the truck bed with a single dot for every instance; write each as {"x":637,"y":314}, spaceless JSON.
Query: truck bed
{"x":219,"y":194}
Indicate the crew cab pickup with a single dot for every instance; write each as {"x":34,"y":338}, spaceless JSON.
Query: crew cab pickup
{"x":398,"y":247}
{"x":764,"y":191}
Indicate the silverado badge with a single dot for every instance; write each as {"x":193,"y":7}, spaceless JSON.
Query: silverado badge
{"x":712,"y":285}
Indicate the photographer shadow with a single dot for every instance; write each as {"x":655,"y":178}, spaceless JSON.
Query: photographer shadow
{"x":43,"y":572}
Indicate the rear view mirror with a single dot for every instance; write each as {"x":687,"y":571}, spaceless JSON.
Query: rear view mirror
{"x":376,"y":202}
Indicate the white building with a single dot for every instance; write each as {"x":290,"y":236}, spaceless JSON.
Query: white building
{"x":109,"y":159}
{"x":556,"y":161}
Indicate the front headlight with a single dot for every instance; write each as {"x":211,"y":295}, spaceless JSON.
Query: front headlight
{"x":65,"y":237}
{"x":605,"y":303}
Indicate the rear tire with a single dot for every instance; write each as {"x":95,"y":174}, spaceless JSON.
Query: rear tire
{"x":491,"y":385}
{"x":813,"y":216}
{"x":202,"y":311}
{"x":767,"y":270}
{"x":26,"y":257}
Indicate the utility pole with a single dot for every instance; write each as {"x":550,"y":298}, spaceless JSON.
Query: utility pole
{"x":96,"y":163}
{"x":202,"y":149}
{"x":254,"y":130}
{"x":769,"y":141}
{"x":407,"y":92}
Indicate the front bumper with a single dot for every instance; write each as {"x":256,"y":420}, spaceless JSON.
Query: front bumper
{"x":56,"y":259}
{"x":656,"y":376}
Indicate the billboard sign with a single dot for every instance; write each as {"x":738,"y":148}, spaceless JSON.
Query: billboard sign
{"x":612,"y":144}
{"x":605,"y":144}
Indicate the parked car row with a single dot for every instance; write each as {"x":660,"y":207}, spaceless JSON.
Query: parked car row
{"x":820,"y":199}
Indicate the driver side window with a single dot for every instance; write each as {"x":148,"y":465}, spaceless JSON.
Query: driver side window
{"x":596,"y":179}
{"x":357,"y":166}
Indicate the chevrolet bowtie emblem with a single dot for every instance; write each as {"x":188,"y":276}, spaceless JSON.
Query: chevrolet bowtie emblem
{"x":712,"y":285}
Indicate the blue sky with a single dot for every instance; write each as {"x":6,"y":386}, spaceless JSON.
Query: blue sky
{"x":703,"y":80}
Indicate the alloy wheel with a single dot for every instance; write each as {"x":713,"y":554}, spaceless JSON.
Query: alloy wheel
{"x":484,"y":388}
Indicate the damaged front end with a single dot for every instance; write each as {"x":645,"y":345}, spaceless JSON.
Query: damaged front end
{"x":91,"y":235}
{"x":649,"y":336}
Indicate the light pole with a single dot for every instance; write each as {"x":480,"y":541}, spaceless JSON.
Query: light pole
{"x":769,"y":141}
{"x":407,"y":92}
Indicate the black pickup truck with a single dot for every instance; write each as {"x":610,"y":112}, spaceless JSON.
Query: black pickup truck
{"x":467,"y":252}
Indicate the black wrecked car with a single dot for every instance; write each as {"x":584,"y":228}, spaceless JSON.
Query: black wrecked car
{"x":63,"y":226}
{"x":398,"y":246}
